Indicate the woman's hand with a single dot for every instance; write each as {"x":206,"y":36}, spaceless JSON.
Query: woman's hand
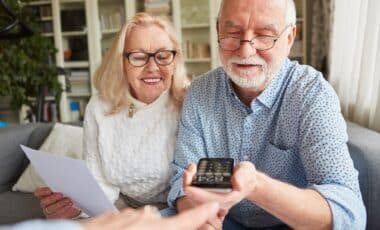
{"x":54,"y":205}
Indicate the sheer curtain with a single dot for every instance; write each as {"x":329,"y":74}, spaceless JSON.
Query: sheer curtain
{"x":355,"y":60}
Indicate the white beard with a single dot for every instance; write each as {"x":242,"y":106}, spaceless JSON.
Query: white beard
{"x":248,"y":79}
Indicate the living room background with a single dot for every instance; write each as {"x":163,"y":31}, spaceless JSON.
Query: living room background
{"x":82,"y":31}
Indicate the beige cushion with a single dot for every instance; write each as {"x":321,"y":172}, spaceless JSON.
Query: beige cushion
{"x":63,"y":140}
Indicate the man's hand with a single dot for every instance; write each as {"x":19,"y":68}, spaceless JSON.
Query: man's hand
{"x":244,"y":182}
{"x":54,"y":205}
{"x":149,"y":218}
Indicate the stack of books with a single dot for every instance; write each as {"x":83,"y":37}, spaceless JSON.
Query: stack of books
{"x":45,"y":11}
{"x":158,"y":7}
{"x":80,"y":82}
{"x":196,"y":50}
{"x":111,"y":20}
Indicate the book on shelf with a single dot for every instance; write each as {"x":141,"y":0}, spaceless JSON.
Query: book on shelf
{"x":49,"y":113}
{"x":195,"y":50}
{"x":80,"y":73}
{"x":73,"y":20}
{"x":157,"y":7}
{"x":80,"y":88}
{"x":45,"y":11}
{"x":47,"y":27}
{"x":79,"y":82}
{"x":110,"y":21}
{"x":158,"y":11}
{"x":157,"y":2}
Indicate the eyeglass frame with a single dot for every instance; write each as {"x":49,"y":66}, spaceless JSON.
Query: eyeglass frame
{"x":127,"y":55}
{"x":275,"y":39}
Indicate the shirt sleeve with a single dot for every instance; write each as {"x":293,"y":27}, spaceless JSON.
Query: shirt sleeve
{"x":190,"y":145}
{"x":327,"y":162}
{"x":91,"y":151}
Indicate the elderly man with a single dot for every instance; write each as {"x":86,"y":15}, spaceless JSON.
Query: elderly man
{"x":280,"y":120}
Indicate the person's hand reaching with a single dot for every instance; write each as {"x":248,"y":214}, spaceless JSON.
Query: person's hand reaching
{"x":149,"y":218}
{"x":243,"y":184}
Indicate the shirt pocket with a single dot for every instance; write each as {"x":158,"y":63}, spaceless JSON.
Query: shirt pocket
{"x":278,"y":163}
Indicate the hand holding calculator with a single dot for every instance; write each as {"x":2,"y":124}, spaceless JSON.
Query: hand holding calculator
{"x":214,"y":174}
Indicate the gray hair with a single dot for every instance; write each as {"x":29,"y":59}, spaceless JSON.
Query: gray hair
{"x":290,"y":11}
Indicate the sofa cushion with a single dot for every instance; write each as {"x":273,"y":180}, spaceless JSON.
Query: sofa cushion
{"x":63,"y":140}
{"x":364,"y":147}
{"x":12,"y":159}
{"x":18,"y":206}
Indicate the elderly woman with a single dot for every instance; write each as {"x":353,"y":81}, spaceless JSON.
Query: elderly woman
{"x":130,"y":125}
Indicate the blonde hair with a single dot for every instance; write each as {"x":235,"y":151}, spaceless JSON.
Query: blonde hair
{"x":110,"y":79}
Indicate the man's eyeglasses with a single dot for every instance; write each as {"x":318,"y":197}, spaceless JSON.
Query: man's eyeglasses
{"x":161,"y":57}
{"x":260,"y":43}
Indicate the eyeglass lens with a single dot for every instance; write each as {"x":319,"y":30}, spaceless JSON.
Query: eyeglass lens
{"x":163,"y":57}
{"x":259,"y":42}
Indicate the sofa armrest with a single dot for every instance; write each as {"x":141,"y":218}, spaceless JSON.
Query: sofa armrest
{"x":12,"y":159}
{"x":364,"y":147}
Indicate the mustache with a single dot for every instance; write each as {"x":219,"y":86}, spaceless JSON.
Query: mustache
{"x":247,"y":61}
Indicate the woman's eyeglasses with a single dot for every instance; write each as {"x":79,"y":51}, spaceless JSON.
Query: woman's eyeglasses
{"x":161,"y":57}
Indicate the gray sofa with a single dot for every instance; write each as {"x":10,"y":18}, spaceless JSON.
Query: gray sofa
{"x":364,"y":146}
{"x":16,"y":206}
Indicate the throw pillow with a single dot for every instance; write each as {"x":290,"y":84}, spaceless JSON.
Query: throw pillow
{"x":63,"y":140}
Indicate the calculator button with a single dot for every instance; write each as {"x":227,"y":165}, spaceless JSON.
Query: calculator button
{"x":218,"y":179}
{"x":202,"y":178}
{"x":210,"y":179}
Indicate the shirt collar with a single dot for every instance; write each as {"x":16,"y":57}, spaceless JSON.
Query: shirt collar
{"x":271,"y":93}
{"x":230,"y":88}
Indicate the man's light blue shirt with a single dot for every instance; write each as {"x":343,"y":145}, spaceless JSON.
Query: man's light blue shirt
{"x":293,"y":131}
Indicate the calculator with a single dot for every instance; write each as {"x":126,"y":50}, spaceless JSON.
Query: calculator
{"x":214,"y":174}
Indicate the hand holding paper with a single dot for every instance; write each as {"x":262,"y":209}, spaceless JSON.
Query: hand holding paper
{"x":72,"y":178}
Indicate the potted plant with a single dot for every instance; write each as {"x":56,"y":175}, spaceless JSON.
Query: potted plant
{"x":27,"y":71}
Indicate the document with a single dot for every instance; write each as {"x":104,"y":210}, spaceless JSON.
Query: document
{"x":73,"y":179}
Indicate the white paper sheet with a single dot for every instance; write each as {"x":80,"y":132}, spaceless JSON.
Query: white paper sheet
{"x":72,"y":178}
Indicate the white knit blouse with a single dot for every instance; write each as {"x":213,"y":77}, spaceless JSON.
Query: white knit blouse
{"x":131,"y":155}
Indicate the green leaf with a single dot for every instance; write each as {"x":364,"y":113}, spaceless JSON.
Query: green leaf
{"x":24,"y":67}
